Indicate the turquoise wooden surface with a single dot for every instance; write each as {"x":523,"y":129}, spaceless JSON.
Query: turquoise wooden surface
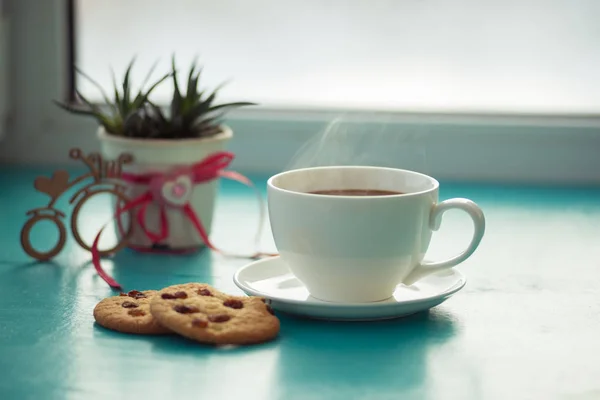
{"x":526,"y":326}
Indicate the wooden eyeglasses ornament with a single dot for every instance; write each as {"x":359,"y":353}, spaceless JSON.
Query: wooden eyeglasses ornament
{"x":102,"y":178}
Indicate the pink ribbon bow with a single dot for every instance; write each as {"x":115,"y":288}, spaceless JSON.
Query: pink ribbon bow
{"x":173,"y":190}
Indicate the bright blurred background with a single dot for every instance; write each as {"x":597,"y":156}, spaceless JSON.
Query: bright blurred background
{"x":491,"y":56}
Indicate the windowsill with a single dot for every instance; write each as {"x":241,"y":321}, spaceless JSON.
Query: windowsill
{"x":541,"y":150}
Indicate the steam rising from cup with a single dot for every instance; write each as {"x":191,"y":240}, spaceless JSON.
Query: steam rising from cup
{"x":346,"y":141}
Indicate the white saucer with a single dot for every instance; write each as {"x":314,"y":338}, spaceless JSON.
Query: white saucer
{"x":270,"y":278}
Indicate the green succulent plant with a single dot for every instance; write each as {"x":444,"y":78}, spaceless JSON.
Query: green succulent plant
{"x":121,"y":106}
{"x":192,"y":113}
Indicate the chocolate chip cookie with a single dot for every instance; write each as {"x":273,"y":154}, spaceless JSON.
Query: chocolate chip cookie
{"x":202,"y":313}
{"x":129,"y":313}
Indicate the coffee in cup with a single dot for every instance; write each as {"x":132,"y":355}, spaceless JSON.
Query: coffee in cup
{"x":351,"y":234}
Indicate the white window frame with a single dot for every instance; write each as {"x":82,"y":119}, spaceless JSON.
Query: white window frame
{"x":552,"y":149}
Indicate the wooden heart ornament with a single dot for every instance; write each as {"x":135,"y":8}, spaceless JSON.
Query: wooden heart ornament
{"x":54,"y":186}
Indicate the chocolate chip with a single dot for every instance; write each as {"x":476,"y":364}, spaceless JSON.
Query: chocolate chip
{"x":204,"y":292}
{"x":270,"y":310}
{"x":233,"y":303}
{"x":176,"y":295}
{"x":219,"y":318}
{"x":263,"y":300}
{"x":136,"y":294}
{"x":129,"y":304}
{"x":183,"y":309}
{"x":136,"y":313}
{"x":122,"y":294}
{"x":199,"y":323}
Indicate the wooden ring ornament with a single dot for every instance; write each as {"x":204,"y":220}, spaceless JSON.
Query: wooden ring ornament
{"x":26,"y":242}
{"x":122,"y":243}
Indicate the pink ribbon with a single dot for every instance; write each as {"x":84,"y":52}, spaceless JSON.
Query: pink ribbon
{"x":173,"y":190}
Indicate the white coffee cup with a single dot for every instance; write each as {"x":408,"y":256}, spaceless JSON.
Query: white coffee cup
{"x":359,"y":248}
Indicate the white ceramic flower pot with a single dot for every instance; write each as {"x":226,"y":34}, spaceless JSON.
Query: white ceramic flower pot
{"x":161,"y":156}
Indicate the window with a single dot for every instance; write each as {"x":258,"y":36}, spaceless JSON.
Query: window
{"x":483,"y":90}
{"x":465,"y":56}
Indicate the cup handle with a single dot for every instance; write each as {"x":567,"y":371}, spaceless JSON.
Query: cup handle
{"x":435,"y":219}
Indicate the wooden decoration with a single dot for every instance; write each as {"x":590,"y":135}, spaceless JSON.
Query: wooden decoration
{"x":102,"y":178}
